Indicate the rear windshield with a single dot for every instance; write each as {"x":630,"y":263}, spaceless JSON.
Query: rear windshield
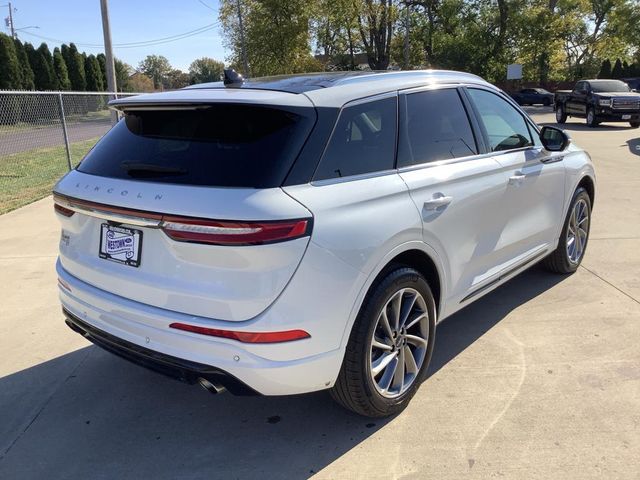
{"x":222,"y":145}
{"x":605,"y":86}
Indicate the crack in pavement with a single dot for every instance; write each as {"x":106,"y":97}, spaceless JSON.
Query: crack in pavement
{"x":611,"y":284}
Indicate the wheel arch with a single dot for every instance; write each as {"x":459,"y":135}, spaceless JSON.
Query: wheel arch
{"x":423,"y":263}
{"x":415,"y":254}
{"x":589,"y":185}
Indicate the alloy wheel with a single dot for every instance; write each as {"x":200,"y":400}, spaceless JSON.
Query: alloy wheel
{"x":577,"y":231}
{"x":399,"y":343}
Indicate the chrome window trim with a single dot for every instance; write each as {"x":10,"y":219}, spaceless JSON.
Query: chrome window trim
{"x":352,"y":178}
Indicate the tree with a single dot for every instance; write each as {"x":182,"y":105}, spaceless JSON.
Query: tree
{"x":375,"y":23}
{"x":26,"y":73}
{"x":93,"y":74}
{"x":10,"y":78}
{"x":60,"y":70}
{"x":155,"y":67}
{"x":75,"y":67}
{"x":102,"y":61}
{"x":617,"y":71}
{"x":41,"y":63}
{"x":276,"y":34}
{"x":605,"y":69}
{"x":205,"y":69}
{"x":139,"y":82}
{"x":123,"y":72}
{"x":177,"y":79}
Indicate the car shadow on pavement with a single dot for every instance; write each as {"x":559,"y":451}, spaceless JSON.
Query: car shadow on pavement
{"x":88,"y":414}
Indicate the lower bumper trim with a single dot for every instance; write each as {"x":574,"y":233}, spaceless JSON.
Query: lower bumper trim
{"x":174,"y":367}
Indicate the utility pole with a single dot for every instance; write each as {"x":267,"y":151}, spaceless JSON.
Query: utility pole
{"x":243,"y":48}
{"x":9,"y":21}
{"x":108,"y":53}
{"x":406,"y":36}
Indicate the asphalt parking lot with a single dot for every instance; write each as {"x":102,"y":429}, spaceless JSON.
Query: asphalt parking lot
{"x":539,"y":379}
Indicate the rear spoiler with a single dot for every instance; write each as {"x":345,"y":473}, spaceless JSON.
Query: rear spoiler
{"x":202,"y":97}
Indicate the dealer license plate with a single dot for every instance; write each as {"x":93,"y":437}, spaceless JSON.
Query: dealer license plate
{"x":120,"y":244}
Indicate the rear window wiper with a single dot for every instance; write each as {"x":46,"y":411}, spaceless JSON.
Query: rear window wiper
{"x":150,"y":169}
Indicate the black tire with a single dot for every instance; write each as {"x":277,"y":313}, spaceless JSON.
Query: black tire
{"x":561,"y":114}
{"x":355,"y":388}
{"x":634,"y":124}
{"x":592,"y":119}
{"x":559,"y":261}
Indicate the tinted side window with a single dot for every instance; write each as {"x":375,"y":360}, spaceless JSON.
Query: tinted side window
{"x":505,"y":127}
{"x":435,"y":127}
{"x":363,"y":140}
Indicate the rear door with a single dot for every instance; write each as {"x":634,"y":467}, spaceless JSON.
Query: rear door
{"x":180,"y":207}
{"x":456,"y":188}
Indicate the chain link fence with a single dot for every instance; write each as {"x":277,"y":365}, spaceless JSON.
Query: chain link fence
{"x":42,"y":136}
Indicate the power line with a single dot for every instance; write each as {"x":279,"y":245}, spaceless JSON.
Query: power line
{"x":144,"y":43}
{"x":210,"y":8}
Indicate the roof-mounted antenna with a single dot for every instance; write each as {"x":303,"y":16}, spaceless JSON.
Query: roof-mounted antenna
{"x":232,"y":79}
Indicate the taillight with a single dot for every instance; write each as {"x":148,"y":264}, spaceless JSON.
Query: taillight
{"x":233,"y":233}
{"x":245,"y":337}
{"x":189,"y":229}
{"x":62,"y":210}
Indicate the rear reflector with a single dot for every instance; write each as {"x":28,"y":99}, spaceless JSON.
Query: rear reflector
{"x":233,"y":233}
{"x":245,"y":337}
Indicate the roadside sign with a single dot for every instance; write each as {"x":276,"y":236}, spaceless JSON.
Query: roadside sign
{"x":514,"y":71}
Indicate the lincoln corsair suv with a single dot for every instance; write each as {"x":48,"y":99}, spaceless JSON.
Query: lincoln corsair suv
{"x":290,"y":234}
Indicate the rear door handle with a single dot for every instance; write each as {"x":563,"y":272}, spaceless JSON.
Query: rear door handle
{"x":517,"y":179}
{"x":437,"y":202}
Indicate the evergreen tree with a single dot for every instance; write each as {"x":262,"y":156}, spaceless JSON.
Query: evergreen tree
{"x":26,"y":74}
{"x":93,"y":74}
{"x":617,"y":70}
{"x":46,"y":75}
{"x":123,"y":71}
{"x":102,"y":61}
{"x":10,"y":78}
{"x":60,"y":70}
{"x":75,"y":68}
{"x":605,"y":69}
{"x":626,"y":70}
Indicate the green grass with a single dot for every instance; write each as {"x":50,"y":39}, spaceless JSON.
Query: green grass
{"x":29,"y":176}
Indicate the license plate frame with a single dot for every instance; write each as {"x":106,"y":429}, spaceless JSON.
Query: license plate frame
{"x":120,"y":244}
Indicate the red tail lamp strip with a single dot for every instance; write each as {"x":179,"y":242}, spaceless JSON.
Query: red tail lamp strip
{"x":245,"y":337}
{"x":199,"y":230}
{"x":233,"y":233}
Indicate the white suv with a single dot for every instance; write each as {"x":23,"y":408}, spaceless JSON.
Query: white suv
{"x":297,"y":233}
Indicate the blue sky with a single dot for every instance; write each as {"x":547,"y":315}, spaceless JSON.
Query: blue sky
{"x":79,"y":21}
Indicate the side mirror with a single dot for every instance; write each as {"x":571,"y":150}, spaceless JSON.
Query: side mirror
{"x":554,"y":139}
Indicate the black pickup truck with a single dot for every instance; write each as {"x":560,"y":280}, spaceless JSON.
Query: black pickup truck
{"x":599,"y":101}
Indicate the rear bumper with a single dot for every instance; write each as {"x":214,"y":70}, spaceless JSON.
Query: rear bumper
{"x":178,"y":368}
{"x":141,"y":334}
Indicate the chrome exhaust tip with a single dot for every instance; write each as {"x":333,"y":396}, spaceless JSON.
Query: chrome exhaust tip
{"x":211,"y":387}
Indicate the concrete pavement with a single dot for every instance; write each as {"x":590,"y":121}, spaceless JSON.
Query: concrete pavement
{"x":540,"y":379}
